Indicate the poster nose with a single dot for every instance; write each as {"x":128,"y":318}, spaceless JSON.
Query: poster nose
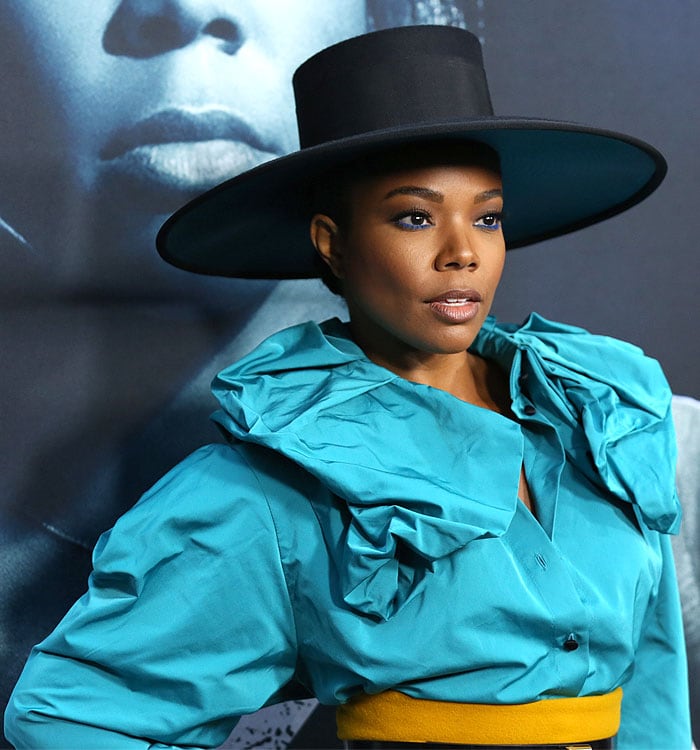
{"x":147,"y":28}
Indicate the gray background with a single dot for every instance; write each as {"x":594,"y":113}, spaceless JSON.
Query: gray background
{"x":630,"y":66}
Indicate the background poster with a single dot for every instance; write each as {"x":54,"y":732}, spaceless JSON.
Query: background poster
{"x":117,"y":111}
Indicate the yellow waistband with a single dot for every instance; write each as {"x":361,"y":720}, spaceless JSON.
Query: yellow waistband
{"x":394,"y":717}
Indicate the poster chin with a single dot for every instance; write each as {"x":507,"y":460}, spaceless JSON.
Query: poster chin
{"x":115,"y":114}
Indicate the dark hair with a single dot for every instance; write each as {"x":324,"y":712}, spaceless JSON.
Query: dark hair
{"x":330,"y":192}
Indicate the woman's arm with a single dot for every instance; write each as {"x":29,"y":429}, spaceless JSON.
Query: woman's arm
{"x":655,"y":704}
{"x":186,"y":625}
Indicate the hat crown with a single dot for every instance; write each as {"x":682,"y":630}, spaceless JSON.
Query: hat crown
{"x":391,"y":79}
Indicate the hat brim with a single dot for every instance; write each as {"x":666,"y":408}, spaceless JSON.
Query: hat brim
{"x":558,"y":177}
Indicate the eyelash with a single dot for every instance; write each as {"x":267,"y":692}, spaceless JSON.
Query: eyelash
{"x":498,"y":218}
{"x":413,"y":213}
{"x":420,"y":213}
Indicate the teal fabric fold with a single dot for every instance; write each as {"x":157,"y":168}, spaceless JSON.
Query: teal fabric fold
{"x":408,"y":471}
{"x":420,"y":476}
{"x":608,"y":393}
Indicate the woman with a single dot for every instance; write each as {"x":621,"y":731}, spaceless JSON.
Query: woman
{"x":454,"y":529}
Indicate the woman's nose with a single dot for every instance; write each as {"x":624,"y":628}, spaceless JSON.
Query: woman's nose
{"x":457,"y":251}
{"x":147,"y":28}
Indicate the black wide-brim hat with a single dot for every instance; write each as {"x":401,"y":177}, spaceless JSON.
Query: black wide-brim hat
{"x":407,"y":85}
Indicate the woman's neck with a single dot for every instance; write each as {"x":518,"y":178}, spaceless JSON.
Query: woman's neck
{"x":466,"y":376}
{"x":477,"y":381}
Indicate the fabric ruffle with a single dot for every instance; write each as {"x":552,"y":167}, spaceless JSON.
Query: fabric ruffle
{"x":416,"y":466}
{"x":615,"y":393}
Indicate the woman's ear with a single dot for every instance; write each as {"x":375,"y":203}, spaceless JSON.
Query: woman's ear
{"x":326,"y":238}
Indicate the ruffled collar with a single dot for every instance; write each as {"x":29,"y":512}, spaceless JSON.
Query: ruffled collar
{"x":415,"y":466}
{"x":605,"y":393}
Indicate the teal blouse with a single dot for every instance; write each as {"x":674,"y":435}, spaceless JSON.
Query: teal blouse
{"x":360,"y":532}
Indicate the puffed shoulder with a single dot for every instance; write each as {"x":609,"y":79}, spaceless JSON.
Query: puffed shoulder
{"x":217,"y":502}
{"x":201,"y":495}
{"x":186,"y":625}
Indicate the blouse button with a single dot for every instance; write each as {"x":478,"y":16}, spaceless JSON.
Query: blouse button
{"x":570,"y":644}
{"x":529,"y":410}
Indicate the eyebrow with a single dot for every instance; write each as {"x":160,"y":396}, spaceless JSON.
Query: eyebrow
{"x":437,"y":197}
{"x":421,"y":192}
{"x":488,"y":194}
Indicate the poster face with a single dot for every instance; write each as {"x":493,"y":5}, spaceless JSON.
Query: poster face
{"x":116,"y":112}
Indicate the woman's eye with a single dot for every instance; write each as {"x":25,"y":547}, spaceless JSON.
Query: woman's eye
{"x":413,"y":220}
{"x":490,"y":221}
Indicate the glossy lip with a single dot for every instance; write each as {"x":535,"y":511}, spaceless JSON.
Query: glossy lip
{"x":186,"y":150}
{"x":456,"y":305}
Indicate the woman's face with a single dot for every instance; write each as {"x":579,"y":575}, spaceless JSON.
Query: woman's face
{"x":419,"y":260}
{"x":121,"y":110}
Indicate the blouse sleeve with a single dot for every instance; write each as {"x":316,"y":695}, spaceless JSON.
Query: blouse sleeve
{"x":655,"y":703}
{"x":186,"y":625}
